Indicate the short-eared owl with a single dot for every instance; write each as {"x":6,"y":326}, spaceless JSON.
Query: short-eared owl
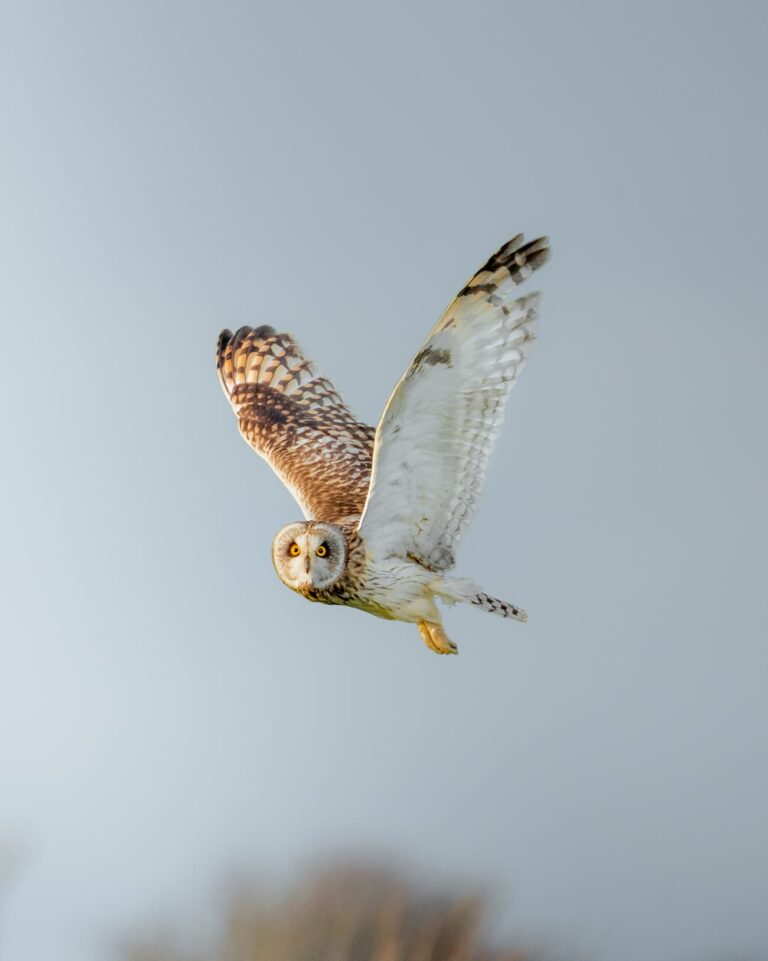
{"x":385,"y":508}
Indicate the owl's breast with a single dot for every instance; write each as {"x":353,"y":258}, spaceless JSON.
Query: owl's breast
{"x":351,"y":591}
{"x":395,"y":589}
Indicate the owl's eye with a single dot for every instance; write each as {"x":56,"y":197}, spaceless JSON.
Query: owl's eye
{"x":294,"y":550}
{"x":321,"y":551}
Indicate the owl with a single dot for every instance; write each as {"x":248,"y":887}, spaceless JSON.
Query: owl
{"x":385,"y":508}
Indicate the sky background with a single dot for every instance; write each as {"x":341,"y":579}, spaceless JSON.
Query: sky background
{"x":169,"y":712}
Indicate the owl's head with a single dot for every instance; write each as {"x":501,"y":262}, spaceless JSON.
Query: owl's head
{"x":309,"y":554}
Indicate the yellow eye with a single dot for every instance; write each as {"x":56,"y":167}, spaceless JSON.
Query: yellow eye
{"x":321,"y":551}
{"x":294,"y":550}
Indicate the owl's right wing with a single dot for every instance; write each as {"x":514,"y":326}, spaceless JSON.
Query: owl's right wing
{"x":439,"y":426}
{"x":294,"y":418}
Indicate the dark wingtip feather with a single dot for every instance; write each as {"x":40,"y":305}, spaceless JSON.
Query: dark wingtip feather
{"x":519,"y":258}
{"x":221,"y":346}
{"x":264,"y":332}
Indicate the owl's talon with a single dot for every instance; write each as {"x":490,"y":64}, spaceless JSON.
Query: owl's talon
{"x":436,"y":639}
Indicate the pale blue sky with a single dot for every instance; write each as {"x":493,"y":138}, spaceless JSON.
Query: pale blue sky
{"x":169,"y":712}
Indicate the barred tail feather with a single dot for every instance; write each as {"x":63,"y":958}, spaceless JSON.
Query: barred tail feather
{"x":454,"y":591}
{"x":494,"y":606}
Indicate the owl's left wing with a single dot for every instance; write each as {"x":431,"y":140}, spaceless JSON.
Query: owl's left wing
{"x":297,"y":421}
{"x":439,"y":426}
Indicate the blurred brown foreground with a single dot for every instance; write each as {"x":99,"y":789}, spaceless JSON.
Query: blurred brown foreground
{"x":343,"y":915}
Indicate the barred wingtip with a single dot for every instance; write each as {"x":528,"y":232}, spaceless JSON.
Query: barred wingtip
{"x":515,"y":254}
{"x":513,"y":262}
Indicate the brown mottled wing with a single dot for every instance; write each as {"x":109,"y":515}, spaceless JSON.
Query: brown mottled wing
{"x":295,"y":419}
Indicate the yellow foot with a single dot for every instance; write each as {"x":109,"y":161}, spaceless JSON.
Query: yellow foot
{"x":436,"y":639}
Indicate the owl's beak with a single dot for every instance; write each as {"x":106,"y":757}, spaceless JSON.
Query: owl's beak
{"x":306,"y":564}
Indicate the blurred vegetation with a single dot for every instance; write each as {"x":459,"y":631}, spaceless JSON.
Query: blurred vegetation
{"x":352,"y":914}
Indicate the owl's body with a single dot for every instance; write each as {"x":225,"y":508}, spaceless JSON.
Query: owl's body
{"x":396,"y":590}
{"x":387,"y":507}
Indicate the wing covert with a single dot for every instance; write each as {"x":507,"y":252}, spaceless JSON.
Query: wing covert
{"x":295,"y":419}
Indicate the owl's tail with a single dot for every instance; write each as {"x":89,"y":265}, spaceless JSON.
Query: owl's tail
{"x":453,"y":591}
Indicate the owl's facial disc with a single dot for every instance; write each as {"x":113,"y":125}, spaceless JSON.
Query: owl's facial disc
{"x":309,"y":555}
